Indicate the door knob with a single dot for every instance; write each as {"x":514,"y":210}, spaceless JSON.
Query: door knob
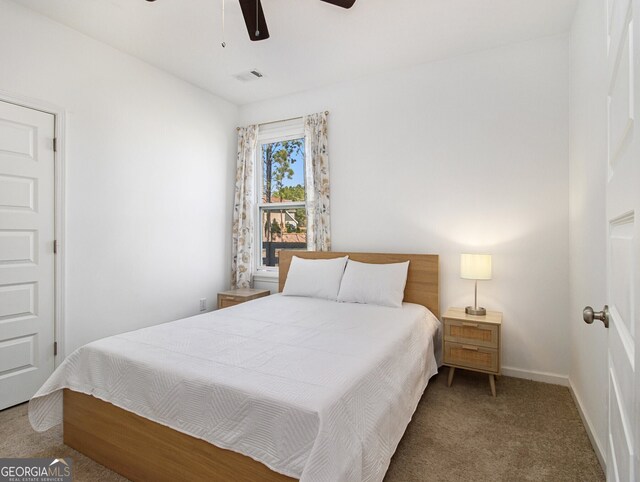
{"x":588,"y":315}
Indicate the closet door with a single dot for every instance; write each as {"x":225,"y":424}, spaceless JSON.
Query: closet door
{"x":26,"y":252}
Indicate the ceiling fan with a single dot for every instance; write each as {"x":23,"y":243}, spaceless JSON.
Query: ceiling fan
{"x":256,"y":22}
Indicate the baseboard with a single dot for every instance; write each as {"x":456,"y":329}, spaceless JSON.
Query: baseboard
{"x":586,"y":421}
{"x":536,"y":376}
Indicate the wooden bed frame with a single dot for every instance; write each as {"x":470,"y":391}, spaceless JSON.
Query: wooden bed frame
{"x":142,"y":450}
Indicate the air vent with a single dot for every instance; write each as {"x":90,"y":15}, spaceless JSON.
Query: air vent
{"x":249,"y":76}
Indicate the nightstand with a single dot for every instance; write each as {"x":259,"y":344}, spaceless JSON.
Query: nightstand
{"x":472,"y":343}
{"x":240,"y":295}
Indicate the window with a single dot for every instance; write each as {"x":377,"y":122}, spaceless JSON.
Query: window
{"x":282,"y":210}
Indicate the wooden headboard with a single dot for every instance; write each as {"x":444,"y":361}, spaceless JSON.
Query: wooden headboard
{"x":423,"y":287}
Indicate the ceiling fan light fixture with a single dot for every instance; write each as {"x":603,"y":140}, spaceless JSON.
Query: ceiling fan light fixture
{"x":255,"y":21}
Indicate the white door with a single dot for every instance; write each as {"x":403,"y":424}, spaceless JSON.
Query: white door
{"x":26,"y":251}
{"x":623,"y":244}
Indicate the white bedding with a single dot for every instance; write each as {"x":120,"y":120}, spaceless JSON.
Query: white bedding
{"x":314,"y":389}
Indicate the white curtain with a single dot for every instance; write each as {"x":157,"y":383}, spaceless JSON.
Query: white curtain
{"x":317,"y":182}
{"x":243,"y":209}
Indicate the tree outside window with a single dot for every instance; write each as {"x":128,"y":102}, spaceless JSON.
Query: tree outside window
{"x":283,"y":199}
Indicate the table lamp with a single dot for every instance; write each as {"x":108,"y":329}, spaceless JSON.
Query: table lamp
{"x":475,"y":267}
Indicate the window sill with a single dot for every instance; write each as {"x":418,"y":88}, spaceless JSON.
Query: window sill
{"x":269,"y":276}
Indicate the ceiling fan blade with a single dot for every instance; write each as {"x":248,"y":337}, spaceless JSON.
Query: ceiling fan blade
{"x":341,"y":3}
{"x":249,"y":14}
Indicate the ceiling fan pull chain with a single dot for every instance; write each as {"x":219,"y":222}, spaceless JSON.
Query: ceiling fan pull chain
{"x":257,"y":18}
{"x":224,"y":44}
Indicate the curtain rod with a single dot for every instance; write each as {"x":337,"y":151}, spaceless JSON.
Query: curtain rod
{"x":283,"y":120}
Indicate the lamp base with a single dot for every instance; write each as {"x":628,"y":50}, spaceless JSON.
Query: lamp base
{"x":470,"y":310}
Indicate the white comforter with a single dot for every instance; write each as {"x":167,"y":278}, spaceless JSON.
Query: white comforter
{"x":314,"y":389}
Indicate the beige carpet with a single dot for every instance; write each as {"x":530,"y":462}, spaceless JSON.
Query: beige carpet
{"x":531,"y":431}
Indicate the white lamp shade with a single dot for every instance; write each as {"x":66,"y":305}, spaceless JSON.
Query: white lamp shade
{"x":475,"y":266}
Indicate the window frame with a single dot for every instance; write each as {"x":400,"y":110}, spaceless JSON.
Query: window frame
{"x":268,"y":134}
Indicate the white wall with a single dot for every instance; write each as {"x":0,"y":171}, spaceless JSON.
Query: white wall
{"x":588,"y":373}
{"x":149,"y":163}
{"x":467,"y":154}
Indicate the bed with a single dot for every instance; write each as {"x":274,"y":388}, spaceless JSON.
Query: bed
{"x":280,"y":388}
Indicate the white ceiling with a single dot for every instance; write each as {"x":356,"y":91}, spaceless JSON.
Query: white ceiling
{"x":312,"y":43}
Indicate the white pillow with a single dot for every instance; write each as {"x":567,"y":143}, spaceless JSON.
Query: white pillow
{"x":315,"y":278}
{"x":375,"y":284}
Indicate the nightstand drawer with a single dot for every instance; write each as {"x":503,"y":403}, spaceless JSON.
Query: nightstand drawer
{"x":471,"y":356}
{"x":226,"y":302}
{"x":471,"y":332}
{"x":240,"y":295}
